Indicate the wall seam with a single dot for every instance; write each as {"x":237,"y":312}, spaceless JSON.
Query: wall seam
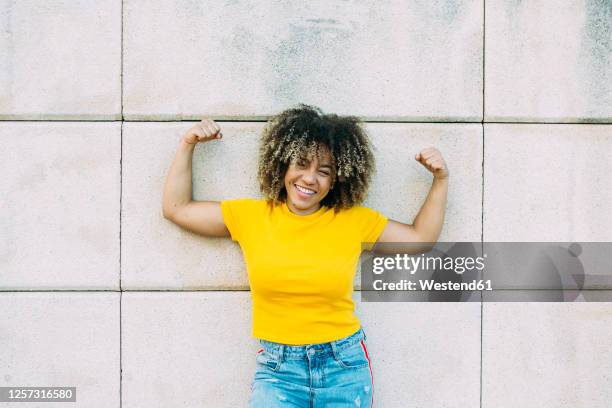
{"x":482,"y":188}
{"x":123,"y":120}
{"x":120,"y":222}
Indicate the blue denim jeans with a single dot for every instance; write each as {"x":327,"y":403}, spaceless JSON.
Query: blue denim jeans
{"x":331,"y":375}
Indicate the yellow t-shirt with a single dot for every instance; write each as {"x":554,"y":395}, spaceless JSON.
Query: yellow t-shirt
{"x":301,"y":268}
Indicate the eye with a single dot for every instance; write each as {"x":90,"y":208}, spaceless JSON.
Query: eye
{"x":324,"y":172}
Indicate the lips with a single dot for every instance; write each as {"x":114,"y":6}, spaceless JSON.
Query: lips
{"x":304,"y":192}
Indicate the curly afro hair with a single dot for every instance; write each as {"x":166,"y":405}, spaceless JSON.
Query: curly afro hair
{"x":304,"y":131}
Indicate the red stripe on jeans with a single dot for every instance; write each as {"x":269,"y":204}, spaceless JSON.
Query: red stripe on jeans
{"x":370,"y":366}
{"x":259,"y":351}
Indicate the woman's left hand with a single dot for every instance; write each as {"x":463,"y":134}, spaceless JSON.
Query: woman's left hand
{"x":432,"y":160}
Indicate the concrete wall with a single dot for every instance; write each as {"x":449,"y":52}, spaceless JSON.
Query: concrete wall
{"x":100,"y":292}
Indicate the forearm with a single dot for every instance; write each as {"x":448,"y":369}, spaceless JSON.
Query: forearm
{"x":428,"y":222}
{"x":177,"y":190}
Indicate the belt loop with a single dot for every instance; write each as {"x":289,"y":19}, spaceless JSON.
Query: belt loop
{"x":281,"y":350}
{"x":334,"y":347}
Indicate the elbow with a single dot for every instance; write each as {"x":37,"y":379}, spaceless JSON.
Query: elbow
{"x":424,"y":244}
{"x":430,"y":238}
{"x":169,"y":210}
{"x":167,"y":214}
{"x":427,"y":241}
{"x":165,"y":208}
{"x":428,"y":246}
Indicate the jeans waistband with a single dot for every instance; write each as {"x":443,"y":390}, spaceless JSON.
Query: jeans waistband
{"x":288,"y":351}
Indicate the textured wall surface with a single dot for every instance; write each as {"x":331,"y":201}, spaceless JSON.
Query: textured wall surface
{"x":99,"y":291}
{"x":60,"y":59}
{"x":378,"y":60}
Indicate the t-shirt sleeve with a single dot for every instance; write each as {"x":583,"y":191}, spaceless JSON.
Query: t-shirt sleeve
{"x":372,"y":225}
{"x":234,"y":216}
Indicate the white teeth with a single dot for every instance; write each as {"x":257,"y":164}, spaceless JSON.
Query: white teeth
{"x":304,"y":190}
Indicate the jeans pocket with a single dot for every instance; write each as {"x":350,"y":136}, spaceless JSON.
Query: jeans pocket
{"x":353,"y":356}
{"x":268,"y":360}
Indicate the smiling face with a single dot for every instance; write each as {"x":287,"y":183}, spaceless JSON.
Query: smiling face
{"x":307,"y":182}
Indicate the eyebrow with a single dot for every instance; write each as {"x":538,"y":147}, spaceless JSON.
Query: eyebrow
{"x":308,"y":161}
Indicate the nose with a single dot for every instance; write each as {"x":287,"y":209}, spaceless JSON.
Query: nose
{"x":309,"y":176}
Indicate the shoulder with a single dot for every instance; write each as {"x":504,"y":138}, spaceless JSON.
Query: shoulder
{"x":245,"y":201}
{"x":244,"y":204}
{"x":360,"y":211}
{"x":364,"y":218}
{"x":368,"y":222}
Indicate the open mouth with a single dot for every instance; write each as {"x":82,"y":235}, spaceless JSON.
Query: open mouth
{"x":304,"y":191}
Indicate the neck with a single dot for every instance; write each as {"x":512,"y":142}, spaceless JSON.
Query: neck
{"x":298,"y":211}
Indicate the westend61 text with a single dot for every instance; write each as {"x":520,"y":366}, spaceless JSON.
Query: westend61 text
{"x":405,"y":284}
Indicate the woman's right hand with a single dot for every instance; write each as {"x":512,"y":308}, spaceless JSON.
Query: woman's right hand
{"x":204,"y":131}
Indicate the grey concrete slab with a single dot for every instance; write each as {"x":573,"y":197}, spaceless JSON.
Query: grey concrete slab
{"x":548,"y":62}
{"x":424,"y":354}
{"x":60,"y":205}
{"x":60,"y":60}
{"x":401,"y":184}
{"x":61,"y":340}
{"x":187,"y":349}
{"x":547,"y":355}
{"x":159,"y":254}
{"x":566,"y":268}
{"x":385,"y":60}
{"x":156,"y":254}
{"x":196,"y":349}
{"x":547,"y":183}
{"x":547,"y":295}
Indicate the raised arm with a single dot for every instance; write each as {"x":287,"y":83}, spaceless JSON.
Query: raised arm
{"x":202,"y":217}
{"x":427,"y":225}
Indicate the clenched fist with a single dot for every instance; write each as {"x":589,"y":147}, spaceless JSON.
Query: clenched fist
{"x":432,"y":160}
{"x":204,"y":131}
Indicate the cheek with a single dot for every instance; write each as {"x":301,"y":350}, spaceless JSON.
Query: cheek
{"x":326,"y":184}
{"x":287,"y":177}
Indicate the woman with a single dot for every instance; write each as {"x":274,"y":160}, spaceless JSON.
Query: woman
{"x":301,"y":245}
